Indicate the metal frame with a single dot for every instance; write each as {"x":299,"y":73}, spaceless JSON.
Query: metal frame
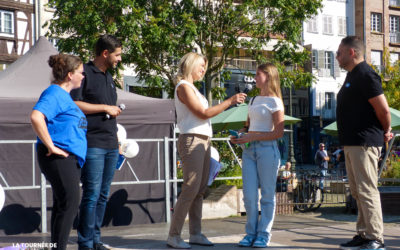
{"x":168,"y":181}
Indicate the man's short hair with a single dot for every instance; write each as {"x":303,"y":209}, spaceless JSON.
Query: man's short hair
{"x":355,"y":43}
{"x":321,"y":144}
{"x":107,"y":42}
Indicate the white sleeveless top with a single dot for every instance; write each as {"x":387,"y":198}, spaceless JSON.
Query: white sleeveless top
{"x":188,"y":123}
{"x":261,"y":109}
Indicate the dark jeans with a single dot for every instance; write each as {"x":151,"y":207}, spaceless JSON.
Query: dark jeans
{"x":63,"y":175}
{"x":97,"y":174}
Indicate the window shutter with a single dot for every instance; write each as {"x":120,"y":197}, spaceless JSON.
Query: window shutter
{"x":321,"y":59}
{"x":336,"y":68}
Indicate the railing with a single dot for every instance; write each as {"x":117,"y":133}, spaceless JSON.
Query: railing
{"x":394,"y":37}
{"x":394,"y":3}
{"x":167,"y":180}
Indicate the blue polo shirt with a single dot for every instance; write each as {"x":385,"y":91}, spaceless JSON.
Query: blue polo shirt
{"x":65,"y":122}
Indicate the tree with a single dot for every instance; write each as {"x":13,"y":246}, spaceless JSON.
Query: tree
{"x":390,"y":76}
{"x":157,"y":33}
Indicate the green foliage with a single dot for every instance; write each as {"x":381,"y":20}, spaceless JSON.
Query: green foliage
{"x":230,"y":167}
{"x":157,"y":33}
{"x":390,"y":80}
{"x":392,"y":170}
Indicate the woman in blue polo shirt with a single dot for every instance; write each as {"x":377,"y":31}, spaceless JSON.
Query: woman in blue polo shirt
{"x":61,"y":146}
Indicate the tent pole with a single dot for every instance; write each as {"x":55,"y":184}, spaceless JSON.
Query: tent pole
{"x":383,"y":163}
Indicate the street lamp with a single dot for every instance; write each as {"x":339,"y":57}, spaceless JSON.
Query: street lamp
{"x":292,"y":160}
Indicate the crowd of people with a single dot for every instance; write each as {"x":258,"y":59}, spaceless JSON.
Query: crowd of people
{"x":75,"y":121}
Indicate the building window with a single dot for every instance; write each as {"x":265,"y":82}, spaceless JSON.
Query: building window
{"x":394,"y":29}
{"x":376,"y":59}
{"x":328,"y":100}
{"x":342,"y":26}
{"x":312,"y":25}
{"x":376,"y":22}
{"x":327,"y":22}
{"x":328,"y":60}
{"x":6,"y":22}
{"x":394,"y":57}
{"x":315,"y":59}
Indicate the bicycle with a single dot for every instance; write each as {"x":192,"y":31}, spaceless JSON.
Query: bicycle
{"x":308,"y":195}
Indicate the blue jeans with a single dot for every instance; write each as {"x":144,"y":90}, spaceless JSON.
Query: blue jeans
{"x":260,"y":168}
{"x":97,"y":174}
{"x":322,"y":180}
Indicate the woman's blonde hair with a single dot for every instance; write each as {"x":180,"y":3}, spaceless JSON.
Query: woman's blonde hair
{"x":187,"y":63}
{"x":274,"y":84}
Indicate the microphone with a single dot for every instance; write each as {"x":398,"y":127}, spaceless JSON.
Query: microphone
{"x":121,"y":106}
{"x":247,"y":89}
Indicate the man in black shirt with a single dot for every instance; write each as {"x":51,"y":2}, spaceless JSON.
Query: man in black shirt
{"x":363,"y":120}
{"x":97,"y":98}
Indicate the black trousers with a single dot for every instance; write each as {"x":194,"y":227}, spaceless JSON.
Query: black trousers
{"x":64,"y":176}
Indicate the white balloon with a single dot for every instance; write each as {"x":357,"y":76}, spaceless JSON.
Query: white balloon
{"x":214,"y":154}
{"x":2,"y":197}
{"x":121,"y":133}
{"x":130,"y":148}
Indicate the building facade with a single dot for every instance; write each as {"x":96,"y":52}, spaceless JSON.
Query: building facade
{"x":17,"y":25}
{"x":377,"y":22}
{"x":323,"y":34}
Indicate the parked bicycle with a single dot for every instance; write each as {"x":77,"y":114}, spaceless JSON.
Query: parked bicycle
{"x":308,"y":196}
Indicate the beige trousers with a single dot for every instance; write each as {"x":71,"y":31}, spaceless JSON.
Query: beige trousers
{"x":194,"y":151}
{"x":362,"y":171}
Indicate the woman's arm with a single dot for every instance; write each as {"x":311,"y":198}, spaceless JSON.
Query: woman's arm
{"x":39,"y":126}
{"x":277,"y":132}
{"x":187,"y":96}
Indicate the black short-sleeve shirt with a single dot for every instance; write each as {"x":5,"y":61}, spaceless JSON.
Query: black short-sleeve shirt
{"x":357,"y":122}
{"x":98,"y":88}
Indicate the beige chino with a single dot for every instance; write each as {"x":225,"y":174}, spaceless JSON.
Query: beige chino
{"x":194,"y":150}
{"x":362,"y":171}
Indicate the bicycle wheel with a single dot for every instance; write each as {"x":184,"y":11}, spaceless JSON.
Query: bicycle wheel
{"x":317,"y":198}
{"x":304,"y":200}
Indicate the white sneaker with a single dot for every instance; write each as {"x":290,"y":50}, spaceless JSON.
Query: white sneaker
{"x":177,"y":242}
{"x":200,"y":239}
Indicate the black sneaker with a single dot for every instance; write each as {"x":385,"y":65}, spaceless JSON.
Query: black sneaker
{"x":373,"y":244}
{"x":100,"y":246}
{"x":354,"y":244}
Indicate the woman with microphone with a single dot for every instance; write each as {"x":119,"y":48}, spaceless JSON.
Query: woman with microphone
{"x":193,"y":119}
{"x":61,"y":145}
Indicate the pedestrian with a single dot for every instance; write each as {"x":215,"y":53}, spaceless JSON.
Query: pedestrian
{"x":97,"y":97}
{"x":261,"y":159}
{"x":61,"y":145}
{"x":363,"y":120}
{"x":193,"y":120}
{"x":321,"y":158}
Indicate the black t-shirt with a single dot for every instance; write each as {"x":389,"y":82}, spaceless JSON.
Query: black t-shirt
{"x":357,"y":122}
{"x":98,"y":88}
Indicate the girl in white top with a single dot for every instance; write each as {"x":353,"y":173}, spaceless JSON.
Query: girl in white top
{"x":261,"y":159}
{"x":193,"y":117}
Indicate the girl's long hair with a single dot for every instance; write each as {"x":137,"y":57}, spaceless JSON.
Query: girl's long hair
{"x":274,"y":84}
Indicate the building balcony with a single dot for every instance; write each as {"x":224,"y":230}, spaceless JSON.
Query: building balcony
{"x":242,"y":63}
{"x":394,"y":36}
{"x":394,"y":3}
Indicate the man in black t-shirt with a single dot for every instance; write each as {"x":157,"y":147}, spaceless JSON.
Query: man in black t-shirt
{"x":363,"y":120}
{"x":97,"y":98}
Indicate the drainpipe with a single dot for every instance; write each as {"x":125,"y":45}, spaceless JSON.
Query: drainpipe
{"x":364,"y":31}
